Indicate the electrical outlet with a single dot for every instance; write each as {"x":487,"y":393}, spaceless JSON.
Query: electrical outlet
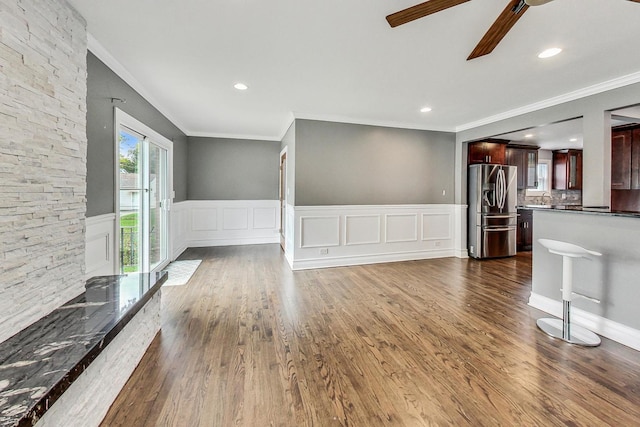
{"x":564,"y":196}
{"x":324,"y":251}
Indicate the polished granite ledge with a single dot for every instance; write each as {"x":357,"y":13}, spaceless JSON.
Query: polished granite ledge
{"x":592,"y":210}
{"x":38,"y":364}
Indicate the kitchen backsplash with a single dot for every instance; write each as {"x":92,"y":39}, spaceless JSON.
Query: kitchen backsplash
{"x":571,"y":197}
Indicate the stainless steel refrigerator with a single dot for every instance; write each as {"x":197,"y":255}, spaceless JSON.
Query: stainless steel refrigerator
{"x":492,"y":211}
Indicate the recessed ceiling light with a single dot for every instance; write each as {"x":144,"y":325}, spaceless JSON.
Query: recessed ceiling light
{"x":425,"y":109}
{"x":573,"y":139}
{"x":549,"y":52}
{"x":529,"y":135}
{"x":241,"y":86}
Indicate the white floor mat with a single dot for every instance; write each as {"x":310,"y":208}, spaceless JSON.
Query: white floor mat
{"x":181,"y":271}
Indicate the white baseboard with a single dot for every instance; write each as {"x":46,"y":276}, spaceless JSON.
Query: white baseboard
{"x":233,"y":241}
{"x":598,"y":324}
{"x":368,"y":259}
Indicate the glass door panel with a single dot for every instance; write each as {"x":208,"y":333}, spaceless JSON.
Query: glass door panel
{"x":131,"y":201}
{"x":144,"y":198}
{"x":157,"y":196}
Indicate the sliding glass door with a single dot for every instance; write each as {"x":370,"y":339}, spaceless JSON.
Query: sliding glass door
{"x":156,"y":191}
{"x":143,"y":202}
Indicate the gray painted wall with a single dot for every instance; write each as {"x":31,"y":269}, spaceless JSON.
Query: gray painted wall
{"x":349,"y":164}
{"x":232,"y":169}
{"x":102,"y":85}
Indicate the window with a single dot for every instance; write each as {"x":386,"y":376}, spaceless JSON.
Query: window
{"x":544,"y":179}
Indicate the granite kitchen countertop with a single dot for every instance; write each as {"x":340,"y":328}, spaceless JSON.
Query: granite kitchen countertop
{"x":594,"y":210}
{"x":39,"y":363}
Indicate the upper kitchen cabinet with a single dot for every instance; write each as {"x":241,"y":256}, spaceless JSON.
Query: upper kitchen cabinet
{"x":621,"y":159}
{"x":567,"y":170}
{"x":488,"y":151}
{"x":625,"y":158}
{"x":526,"y":159}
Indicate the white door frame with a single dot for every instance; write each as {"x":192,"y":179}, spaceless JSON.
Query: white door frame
{"x":123,"y":119}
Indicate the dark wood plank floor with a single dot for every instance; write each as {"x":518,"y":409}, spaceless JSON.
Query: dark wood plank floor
{"x":248,"y":342}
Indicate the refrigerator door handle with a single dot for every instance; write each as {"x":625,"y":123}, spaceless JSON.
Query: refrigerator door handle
{"x":501,"y":188}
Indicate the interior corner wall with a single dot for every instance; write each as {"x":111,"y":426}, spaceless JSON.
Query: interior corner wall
{"x":351,"y":164}
{"x":103,"y":85}
{"x":289,"y":142}
{"x":232,"y":169}
{"x":42,"y":159}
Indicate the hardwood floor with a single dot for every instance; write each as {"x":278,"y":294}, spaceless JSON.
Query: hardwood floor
{"x":451,"y":341}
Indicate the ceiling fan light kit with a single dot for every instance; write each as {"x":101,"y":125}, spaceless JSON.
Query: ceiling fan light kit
{"x":502,"y":25}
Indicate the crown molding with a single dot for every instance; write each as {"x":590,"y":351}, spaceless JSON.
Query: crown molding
{"x":366,"y":122}
{"x":557,"y":100}
{"x":110,"y":61}
{"x":233,"y":136}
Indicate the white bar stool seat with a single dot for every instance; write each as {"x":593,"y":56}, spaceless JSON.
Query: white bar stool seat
{"x":562,"y":328}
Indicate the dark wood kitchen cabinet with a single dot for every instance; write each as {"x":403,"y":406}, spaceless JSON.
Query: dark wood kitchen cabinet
{"x":524,"y":234}
{"x":625,"y":159}
{"x":487,"y":151}
{"x":567,"y":170}
{"x":621,"y":159}
{"x":526,"y":160}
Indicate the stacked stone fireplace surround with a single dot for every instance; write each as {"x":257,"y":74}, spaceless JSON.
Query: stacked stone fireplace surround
{"x":43,"y":151}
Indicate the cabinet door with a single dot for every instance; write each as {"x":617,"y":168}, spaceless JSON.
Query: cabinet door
{"x":524,"y":235}
{"x":476,"y":153}
{"x":560,"y":171}
{"x":496,"y":153}
{"x":530,"y":176}
{"x":515,"y":158}
{"x":574,"y":178}
{"x":635,"y":160}
{"x":621,"y":160}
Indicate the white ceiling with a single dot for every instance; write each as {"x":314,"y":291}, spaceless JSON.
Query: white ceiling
{"x":339,"y":60}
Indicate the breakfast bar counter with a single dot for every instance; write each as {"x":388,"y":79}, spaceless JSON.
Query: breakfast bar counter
{"x":613,"y":279}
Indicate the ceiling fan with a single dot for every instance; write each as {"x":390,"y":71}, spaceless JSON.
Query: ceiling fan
{"x":505,"y":21}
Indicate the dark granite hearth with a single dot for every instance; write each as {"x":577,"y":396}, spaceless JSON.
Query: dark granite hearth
{"x":39,"y":363}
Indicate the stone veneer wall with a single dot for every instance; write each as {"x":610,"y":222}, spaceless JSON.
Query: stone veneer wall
{"x":43,"y":150}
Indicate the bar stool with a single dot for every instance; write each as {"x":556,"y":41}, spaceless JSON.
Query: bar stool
{"x":562,"y":328}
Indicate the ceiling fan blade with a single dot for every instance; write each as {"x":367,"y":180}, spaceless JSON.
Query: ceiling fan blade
{"x":499,"y":29}
{"x":420,"y":10}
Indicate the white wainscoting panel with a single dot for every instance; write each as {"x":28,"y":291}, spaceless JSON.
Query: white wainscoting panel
{"x":371,"y":234}
{"x":228,"y":222}
{"x":437,"y":226}
{"x":204,"y":219}
{"x":362,"y":229}
{"x":235,"y":218}
{"x":319,"y":231}
{"x":265,"y":218}
{"x":401,"y":228}
{"x":289,"y":233}
{"x":100,"y":245}
{"x":460,"y":231}
{"x":179,"y":228}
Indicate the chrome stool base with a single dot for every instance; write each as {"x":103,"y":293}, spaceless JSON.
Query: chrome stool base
{"x":578,"y":335}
